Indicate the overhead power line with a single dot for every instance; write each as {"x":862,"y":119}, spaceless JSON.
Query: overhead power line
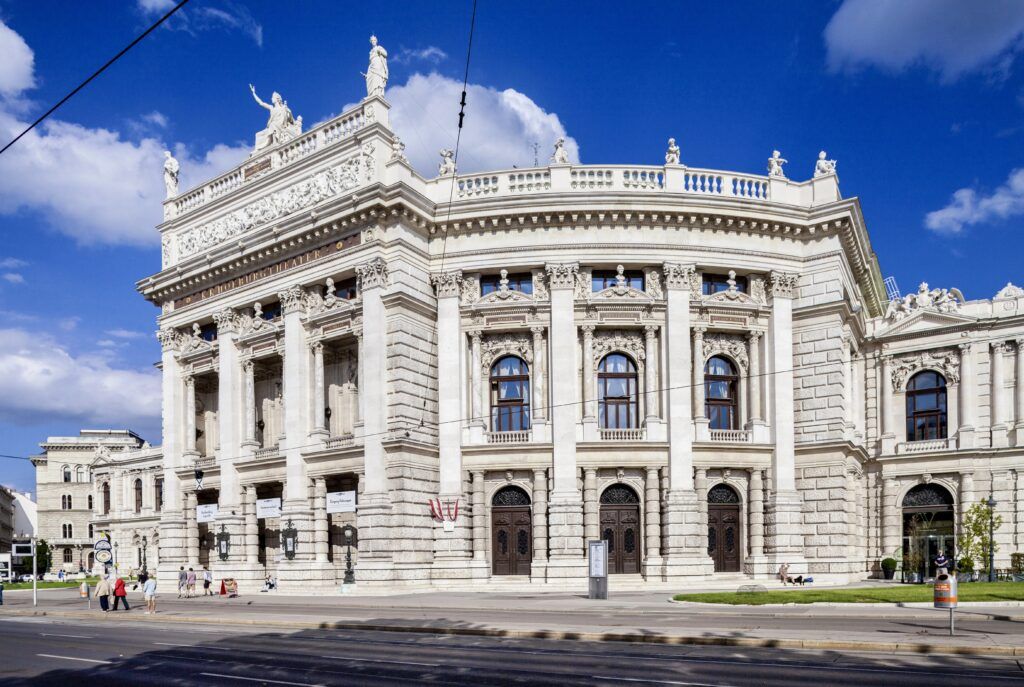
{"x":96,"y":73}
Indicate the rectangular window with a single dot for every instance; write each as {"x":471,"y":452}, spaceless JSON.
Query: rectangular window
{"x":521,"y":282}
{"x":715,"y":283}
{"x":158,"y":501}
{"x":605,"y":279}
{"x":345,"y":289}
{"x":208,"y":332}
{"x":271,"y":311}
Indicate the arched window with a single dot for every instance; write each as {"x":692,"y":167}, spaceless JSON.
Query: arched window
{"x":106,"y":498}
{"x":926,"y":406}
{"x":68,"y":530}
{"x":510,"y":395}
{"x":68,"y":556}
{"x":720,"y":393}
{"x":138,"y":496}
{"x":510,"y":497}
{"x":65,"y":502}
{"x":79,"y":474}
{"x":617,"y":392}
{"x":89,"y":501}
{"x":66,"y":473}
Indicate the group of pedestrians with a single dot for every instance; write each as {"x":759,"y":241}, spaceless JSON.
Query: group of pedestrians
{"x":116,"y":588}
{"x":187,"y":582}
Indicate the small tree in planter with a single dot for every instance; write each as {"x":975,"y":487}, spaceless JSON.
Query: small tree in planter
{"x":966,"y":568}
{"x":889,"y":567}
{"x":1017,"y":566}
{"x":974,"y":542}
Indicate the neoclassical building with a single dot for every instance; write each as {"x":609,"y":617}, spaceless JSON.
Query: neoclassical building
{"x":482,"y":372}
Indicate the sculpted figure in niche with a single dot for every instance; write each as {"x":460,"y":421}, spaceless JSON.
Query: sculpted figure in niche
{"x":672,"y":154}
{"x":823,"y":167}
{"x":281,"y":126}
{"x":377,"y":73}
{"x":561,"y":155}
{"x":171,"y":169}
{"x":775,"y":163}
{"x":447,"y":166}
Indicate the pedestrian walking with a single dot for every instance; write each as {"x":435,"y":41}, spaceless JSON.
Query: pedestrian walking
{"x":102,"y":593}
{"x":207,"y":582}
{"x":120,"y":594}
{"x":182,"y":578}
{"x":190,"y":584}
{"x":149,"y":592}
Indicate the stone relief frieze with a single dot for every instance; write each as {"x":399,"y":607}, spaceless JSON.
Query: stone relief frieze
{"x":936,"y":300}
{"x":471,"y":290}
{"x":320,"y":186}
{"x":652,"y":283}
{"x":540,"y":288}
{"x":730,"y":345}
{"x":630,"y":342}
{"x":945,"y":362}
{"x":494,"y":347}
{"x":562,"y":275}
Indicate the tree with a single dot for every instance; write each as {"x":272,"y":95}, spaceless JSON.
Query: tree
{"x":44,"y":556}
{"x":973,"y":542}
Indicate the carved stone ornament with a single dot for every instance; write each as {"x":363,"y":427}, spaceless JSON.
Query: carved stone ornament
{"x":503,"y":294}
{"x":372,"y":274}
{"x":1010,"y":291}
{"x":292,"y":299}
{"x":823,"y":167}
{"x":447,"y":284}
{"x":470,"y":290}
{"x":946,"y":363}
{"x":227,"y":321}
{"x":316,"y":303}
{"x":731,"y":346}
{"x":629,"y":342}
{"x":494,"y":347}
{"x":304,"y":194}
{"x":620,"y":289}
{"x":731,"y":294}
{"x":562,"y":275}
{"x":757,"y":290}
{"x":168,"y":338}
{"x":584,"y":284}
{"x":369,"y":161}
{"x":783,"y":284}
{"x":678,"y":276}
{"x":652,"y":283}
{"x":936,"y":300}
{"x":447,"y":166}
{"x":540,"y":288}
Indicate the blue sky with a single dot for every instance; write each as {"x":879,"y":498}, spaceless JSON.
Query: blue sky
{"x":921,"y":101}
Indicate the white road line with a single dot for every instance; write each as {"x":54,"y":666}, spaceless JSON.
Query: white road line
{"x":260,"y":679}
{"x":47,"y":634}
{"x":377,"y":660}
{"x":657,"y":682}
{"x":73,"y":658}
{"x":170,"y":644}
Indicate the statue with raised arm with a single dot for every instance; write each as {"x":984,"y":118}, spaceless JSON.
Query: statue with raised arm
{"x":377,"y":73}
{"x":171,"y":169}
{"x":823,"y":167}
{"x":672,"y":154}
{"x":775,"y":163}
{"x":281,"y":126}
{"x":447,"y":166}
{"x":561,"y":155}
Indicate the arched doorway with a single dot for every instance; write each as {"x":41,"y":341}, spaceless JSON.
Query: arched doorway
{"x":927,"y":528}
{"x":724,"y":528}
{"x":620,"y":527}
{"x":511,"y":532}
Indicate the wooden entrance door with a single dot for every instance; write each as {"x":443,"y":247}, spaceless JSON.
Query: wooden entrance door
{"x":724,"y":536}
{"x":511,"y":540}
{"x":620,"y":527}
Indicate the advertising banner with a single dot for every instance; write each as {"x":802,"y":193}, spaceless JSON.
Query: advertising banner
{"x":206,"y":512}
{"x":341,"y":502}
{"x":268,"y":508}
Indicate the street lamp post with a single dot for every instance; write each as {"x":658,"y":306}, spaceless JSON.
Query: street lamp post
{"x":144,"y":544}
{"x":115,"y":558}
{"x":349,"y":532}
{"x":991,"y":538}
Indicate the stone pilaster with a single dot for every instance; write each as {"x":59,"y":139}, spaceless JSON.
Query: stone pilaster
{"x":191,"y":533}
{"x":968,"y":400}
{"x":537,"y":379}
{"x":1000,"y":424}
{"x":478,"y":420}
{"x":539,"y":566}
{"x":173,"y":530}
{"x":318,"y":430}
{"x":591,"y":507}
{"x":1019,"y":394}
{"x":249,"y":442}
{"x":755,"y":382}
{"x":320,"y":526}
{"x":892,"y":530}
{"x":652,"y":525}
{"x":755,"y":563}
{"x":886,"y":409}
{"x":590,"y":426}
{"x":252,"y":528}
{"x":701,"y":423}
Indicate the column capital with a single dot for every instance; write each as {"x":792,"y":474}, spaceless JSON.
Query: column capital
{"x":783,"y":284}
{"x":248,"y":365}
{"x":537,"y":330}
{"x":476,"y":335}
{"x":447,"y":284}
{"x":587,"y":329}
{"x":168,"y":338}
{"x":1000,"y":346}
{"x":292,"y":299}
{"x":372,"y":274}
{"x":188,"y":378}
{"x":651,"y":330}
{"x":679,"y":277}
{"x":227,"y":321}
{"x":698,"y":332}
{"x":753,"y":336}
{"x":562,"y":275}
{"x":316,"y":347}
{"x":965,"y":347}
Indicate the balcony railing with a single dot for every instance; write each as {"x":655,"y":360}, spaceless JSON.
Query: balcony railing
{"x":268,"y":452}
{"x":622,"y":434}
{"x":924,"y":446}
{"x":517,"y":437}
{"x":342,"y":441}
{"x":736,"y":436}
{"x":204,"y":461}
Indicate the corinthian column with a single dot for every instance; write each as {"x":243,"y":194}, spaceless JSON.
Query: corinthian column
{"x":477,"y":392}
{"x":589,"y":406}
{"x":998,"y":391}
{"x":190,"y":416}
{"x":172,"y":518}
{"x":966,"y":435}
{"x":888,"y":435}
{"x":249,"y":443}
{"x":700,"y":420}
{"x":651,"y":372}
{"x":319,"y":405}
{"x":537,"y":379}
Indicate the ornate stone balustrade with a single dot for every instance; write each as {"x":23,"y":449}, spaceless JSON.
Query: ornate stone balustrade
{"x":204,"y":462}
{"x":736,"y":436}
{"x":926,"y":446}
{"x":268,"y":452}
{"x":343,"y":441}
{"x":622,"y":434}
{"x":520,"y":437}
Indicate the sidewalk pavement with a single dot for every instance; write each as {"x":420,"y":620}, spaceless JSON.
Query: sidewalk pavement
{"x":634,"y":616}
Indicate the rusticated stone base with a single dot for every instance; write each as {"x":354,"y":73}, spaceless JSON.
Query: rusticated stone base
{"x":784,"y":536}
{"x":685,"y":537}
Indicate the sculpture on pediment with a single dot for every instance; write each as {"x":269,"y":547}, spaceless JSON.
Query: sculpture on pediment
{"x":171,"y":170}
{"x":377,"y":71}
{"x":398,"y":150}
{"x":561,"y":155}
{"x":732,"y":293}
{"x":447,"y":166}
{"x":937,"y":300}
{"x":823,"y":167}
{"x":946,"y":363}
{"x":672,"y":154}
{"x":1010,"y":291}
{"x":620,"y":288}
{"x":281,"y":125}
{"x":775,"y":163}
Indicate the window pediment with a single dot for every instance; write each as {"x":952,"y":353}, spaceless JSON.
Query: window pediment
{"x":621,"y":292}
{"x":946,"y":363}
{"x":494,"y":347}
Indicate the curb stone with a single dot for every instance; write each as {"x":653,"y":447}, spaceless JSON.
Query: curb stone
{"x":753,"y":642}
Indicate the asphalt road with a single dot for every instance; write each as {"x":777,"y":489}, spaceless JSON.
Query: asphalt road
{"x":44,"y":651}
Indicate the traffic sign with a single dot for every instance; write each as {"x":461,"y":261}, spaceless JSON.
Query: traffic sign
{"x":103,"y":557}
{"x":101,"y":545}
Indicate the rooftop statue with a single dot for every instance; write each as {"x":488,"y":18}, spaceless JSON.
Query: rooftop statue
{"x":171,"y":169}
{"x":775,"y":163}
{"x":377,"y":72}
{"x":281,"y":126}
{"x":941,"y":300}
{"x":561,"y":155}
{"x":823,"y":167}
{"x":1010,"y":291}
{"x":672,"y":154}
{"x":447,"y":166}
{"x":398,"y":150}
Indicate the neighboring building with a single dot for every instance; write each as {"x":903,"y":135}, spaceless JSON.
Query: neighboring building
{"x":65,"y":492}
{"x":7,"y":509}
{"x":701,"y":367}
{"x":25,"y":516}
{"x":128,"y":488}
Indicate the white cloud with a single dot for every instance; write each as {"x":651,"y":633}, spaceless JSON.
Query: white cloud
{"x":156,"y":119}
{"x":967,"y":207}
{"x":12,"y":263}
{"x":226,"y":15}
{"x":39,"y":379}
{"x":952,"y":37}
{"x":69,"y":323}
{"x":13,"y":277}
{"x":126,"y":334}
{"x":16,"y":67}
{"x":499,"y":131}
{"x":431,"y":53}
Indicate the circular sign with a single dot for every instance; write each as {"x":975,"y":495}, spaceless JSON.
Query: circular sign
{"x":103,"y":556}
{"x":101,"y":545}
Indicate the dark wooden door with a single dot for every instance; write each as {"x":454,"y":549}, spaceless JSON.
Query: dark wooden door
{"x":620,"y":527}
{"x":511,"y":541}
{"x":724,"y":537}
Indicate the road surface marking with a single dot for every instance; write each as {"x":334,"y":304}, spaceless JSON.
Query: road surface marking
{"x":47,"y":634}
{"x":73,"y":658}
{"x":657,"y":682}
{"x":170,"y":644}
{"x":261,"y":679}
{"x":377,"y":660}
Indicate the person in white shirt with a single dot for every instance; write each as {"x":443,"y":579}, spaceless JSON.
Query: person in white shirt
{"x":149,"y":591}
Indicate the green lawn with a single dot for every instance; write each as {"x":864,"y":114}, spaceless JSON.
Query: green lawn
{"x":973,"y":591}
{"x":50,"y":585}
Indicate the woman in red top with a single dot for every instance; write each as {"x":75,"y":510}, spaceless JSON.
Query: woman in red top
{"x":120,"y":594}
